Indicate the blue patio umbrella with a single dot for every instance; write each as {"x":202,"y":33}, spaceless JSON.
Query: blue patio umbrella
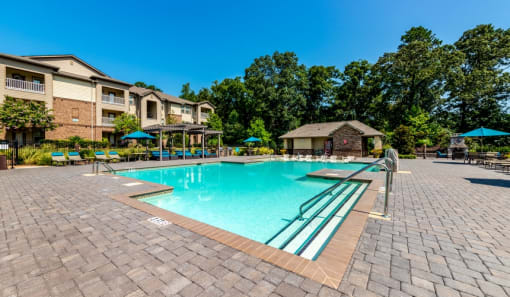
{"x":484,"y":132}
{"x":138,"y":135}
{"x":252,"y":139}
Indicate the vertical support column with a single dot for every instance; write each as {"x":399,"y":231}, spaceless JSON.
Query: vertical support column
{"x":219,"y":140}
{"x":184,"y":145}
{"x":161,"y":145}
{"x":203,"y":143}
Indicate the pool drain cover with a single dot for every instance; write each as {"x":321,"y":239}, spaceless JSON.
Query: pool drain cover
{"x":158,"y":221}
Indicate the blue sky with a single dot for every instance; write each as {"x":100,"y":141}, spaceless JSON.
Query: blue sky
{"x":169,"y":43}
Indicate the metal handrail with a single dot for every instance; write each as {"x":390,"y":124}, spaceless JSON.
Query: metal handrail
{"x":95,"y":167}
{"x":349,"y":177}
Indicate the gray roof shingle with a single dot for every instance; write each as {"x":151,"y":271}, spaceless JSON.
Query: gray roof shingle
{"x":327,"y":129}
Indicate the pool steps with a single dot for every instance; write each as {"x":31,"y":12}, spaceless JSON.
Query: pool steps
{"x":307,"y":236}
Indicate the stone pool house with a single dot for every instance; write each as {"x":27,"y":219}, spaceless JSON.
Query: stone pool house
{"x":346,"y":138}
{"x":85,"y":100}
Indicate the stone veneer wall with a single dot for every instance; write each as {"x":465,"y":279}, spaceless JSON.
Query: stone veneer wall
{"x":353,"y":147}
{"x":67,"y":109}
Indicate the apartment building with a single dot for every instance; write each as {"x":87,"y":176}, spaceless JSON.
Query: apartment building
{"x":85,"y":100}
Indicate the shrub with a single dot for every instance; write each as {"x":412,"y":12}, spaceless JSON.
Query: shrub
{"x":264,"y":151}
{"x":377,"y":153}
{"x":406,"y":156}
{"x":403,"y":140}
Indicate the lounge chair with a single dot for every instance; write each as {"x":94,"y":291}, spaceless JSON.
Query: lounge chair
{"x":58,"y":158}
{"x":441,"y":155}
{"x":75,"y":157}
{"x":323,"y":158}
{"x":174,"y":157}
{"x":332,"y":159}
{"x":187,"y":154}
{"x":285,"y":157}
{"x":196,"y":155}
{"x":308,"y":158}
{"x":294,"y":158}
{"x":209,"y":155}
{"x":115,"y":156}
{"x":100,"y":156}
{"x":165,"y":155}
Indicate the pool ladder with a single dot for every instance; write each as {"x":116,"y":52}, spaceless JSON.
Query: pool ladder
{"x":96,"y":164}
{"x":387,"y":166}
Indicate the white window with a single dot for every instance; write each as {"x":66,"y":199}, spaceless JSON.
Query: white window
{"x":186,"y":109}
{"x":131,"y":100}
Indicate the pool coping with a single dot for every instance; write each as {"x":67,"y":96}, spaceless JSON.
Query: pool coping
{"x":327,"y":269}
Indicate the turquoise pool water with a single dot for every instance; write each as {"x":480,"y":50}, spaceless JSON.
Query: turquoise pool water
{"x":252,"y":200}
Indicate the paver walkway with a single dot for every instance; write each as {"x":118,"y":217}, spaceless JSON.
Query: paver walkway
{"x":61,"y":235}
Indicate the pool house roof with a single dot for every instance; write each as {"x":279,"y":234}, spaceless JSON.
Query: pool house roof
{"x":327,"y":130}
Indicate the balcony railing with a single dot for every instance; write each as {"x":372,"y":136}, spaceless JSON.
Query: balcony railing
{"x":113,"y":100}
{"x":204,"y":115}
{"x":22,"y":85}
{"x":108,"y":121}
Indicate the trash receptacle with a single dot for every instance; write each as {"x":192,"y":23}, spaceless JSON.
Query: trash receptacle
{"x":3,"y":162}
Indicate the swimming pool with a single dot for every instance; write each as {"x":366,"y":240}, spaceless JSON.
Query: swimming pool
{"x":253,"y":200}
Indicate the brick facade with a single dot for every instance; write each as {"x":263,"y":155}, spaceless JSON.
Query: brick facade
{"x":74,"y":118}
{"x":353,"y":142}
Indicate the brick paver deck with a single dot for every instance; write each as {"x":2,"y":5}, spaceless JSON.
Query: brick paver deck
{"x":61,"y":235}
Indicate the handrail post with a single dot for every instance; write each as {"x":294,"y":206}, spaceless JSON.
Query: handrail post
{"x":387,"y":192}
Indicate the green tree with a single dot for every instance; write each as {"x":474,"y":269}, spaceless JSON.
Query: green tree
{"x":214,"y":122}
{"x":415,"y":74}
{"x":231,"y":95}
{"x":233,"y":131}
{"x":359,"y":94}
{"x":126,"y":123}
{"x":278,"y":84}
{"x":257,"y":129}
{"x":479,"y":92}
{"x":188,"y":93}
{"x":17,"y":114}
{"x":141,"y":84}
{"x":319,"y":92}
{"x":403,"y":140}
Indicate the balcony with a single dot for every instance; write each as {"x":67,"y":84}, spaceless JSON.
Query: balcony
{"x":22,"y":85}
{"x":113,"y":100}
{"x":204,"y":115}
{"x":108,"y":121}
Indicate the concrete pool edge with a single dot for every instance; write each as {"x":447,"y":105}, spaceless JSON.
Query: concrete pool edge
{"x":327,"y":269}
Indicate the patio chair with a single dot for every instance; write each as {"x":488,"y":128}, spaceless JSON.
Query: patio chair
{"x":196,"y":155}
{"x":308,"y":158}
{"x":115,"y":156}
{"x":294,"y":158}
{"x":58,"y":158}
{"x":100,"y":156}
{"x":285,"y":157}
{"x":165,"y":155}
{"x":332,"y":159}
{"x":441,"y":155}
{"x":75,"y":157}
{"x":209,"y":155}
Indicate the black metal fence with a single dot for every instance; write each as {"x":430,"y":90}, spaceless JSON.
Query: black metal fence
{"x":10,"y":150}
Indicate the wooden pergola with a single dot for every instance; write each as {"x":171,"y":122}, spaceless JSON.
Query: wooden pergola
{"x":184,"y":129}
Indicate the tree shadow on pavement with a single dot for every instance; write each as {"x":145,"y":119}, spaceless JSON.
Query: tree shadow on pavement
{"x":490,"y":182}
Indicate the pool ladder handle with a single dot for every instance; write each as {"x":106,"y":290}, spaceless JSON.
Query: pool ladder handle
{"x":387,"y":166}
{"x":96,"y":164}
